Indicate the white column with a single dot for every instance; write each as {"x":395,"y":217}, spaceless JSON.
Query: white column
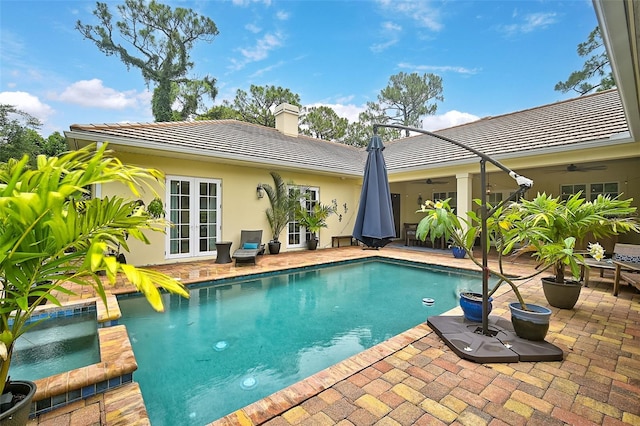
{"x":464,"y":188}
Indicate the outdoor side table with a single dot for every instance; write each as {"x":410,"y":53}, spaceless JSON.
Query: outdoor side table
{"x":224,"y":249}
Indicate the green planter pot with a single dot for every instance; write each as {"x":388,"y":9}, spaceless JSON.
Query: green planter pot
{"x":561,"y":295}
{"x":532,"y":324}
{"x":18,"y":413}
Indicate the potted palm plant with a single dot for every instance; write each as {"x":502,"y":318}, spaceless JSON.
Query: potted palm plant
{"x":284,"y":200}
{"x":548,"y":228}
{"x":313,"y":220}
{"x":51,"y":237}
{"x":441,"y":221}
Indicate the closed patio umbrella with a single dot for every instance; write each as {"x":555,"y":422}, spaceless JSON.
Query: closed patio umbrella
{"x":374,"y":223}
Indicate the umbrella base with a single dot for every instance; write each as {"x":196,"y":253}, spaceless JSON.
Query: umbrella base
{"x":373,"y":243}
{"x":465,"y":338}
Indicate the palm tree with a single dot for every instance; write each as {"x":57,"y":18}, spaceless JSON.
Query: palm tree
{"x":284,"y":200}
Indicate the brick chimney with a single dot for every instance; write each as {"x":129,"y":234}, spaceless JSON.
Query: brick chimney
{"x":287,"y":119}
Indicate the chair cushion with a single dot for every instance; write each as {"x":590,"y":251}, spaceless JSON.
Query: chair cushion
{"x":626,"y":258}
{"x":250,"y":246}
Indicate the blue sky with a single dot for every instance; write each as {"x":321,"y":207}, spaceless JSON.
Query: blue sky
{"x":494,"y":57}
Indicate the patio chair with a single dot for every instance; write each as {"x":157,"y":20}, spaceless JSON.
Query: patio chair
{"x":250,"y":246}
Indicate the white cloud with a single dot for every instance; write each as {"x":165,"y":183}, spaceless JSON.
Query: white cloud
{"x":349,"y":111}
{"x":28,"y":103}
{"x":381,"y":47}
{"x":92,"y":93}
{"x":258,"y":52}
{"x":390,"y":26}
{"x":248,"y":2}
{"x":267,"y":69}
{"x":530,"y":23}
{"x":390,"y":32}
{"x":422,"y":12}
{"x":263,"y":47}
{"x":446,"y":120}
{"x":281,"y":15}
{"x":252,"y":28}
{"x":439,"y":68}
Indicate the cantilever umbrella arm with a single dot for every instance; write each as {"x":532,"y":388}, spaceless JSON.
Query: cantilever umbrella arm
{"x":523,"y":184}
{"x":520,"y":180}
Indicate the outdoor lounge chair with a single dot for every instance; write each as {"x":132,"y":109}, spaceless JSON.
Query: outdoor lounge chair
{"x":250,"y":247}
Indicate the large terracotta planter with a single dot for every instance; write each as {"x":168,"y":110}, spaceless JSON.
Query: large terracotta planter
{"x":531,"y":324}
{"x":18,"y":413}
{"x":561,"y":295}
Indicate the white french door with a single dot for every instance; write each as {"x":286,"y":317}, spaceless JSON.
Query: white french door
{"x":297,"y":235}
{"x":194,"y":211}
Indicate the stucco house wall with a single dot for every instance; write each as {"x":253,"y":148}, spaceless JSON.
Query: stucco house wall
{"x":241,"y":208}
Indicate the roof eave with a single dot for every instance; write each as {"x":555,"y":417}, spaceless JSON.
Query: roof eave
{"x":619,"y":23}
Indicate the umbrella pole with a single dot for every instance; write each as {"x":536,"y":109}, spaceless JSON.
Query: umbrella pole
{"x":485,"y":249}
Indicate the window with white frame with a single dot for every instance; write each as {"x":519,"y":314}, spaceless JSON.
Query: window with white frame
{"x":606,"y":188}
{"x":297,"y":235}
{"x":453,"y":203}
{"x":590,"y":191}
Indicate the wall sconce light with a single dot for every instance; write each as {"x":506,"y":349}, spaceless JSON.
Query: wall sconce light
{"x":260,"y":191}
{"x":420,"y":200}
{"x":488,"y":188}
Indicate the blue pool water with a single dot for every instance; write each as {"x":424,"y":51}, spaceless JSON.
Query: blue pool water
{"x":230,"y":345}
{"x":56,"y":345}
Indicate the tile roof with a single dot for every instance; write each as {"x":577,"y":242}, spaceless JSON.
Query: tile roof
{"x":230,"y":139}
{"x":589,"y":118}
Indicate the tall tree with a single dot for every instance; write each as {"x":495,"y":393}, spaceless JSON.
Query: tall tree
{"x":220,"y":112}
{"x":322,"y":122}
{"x":360,"y":132}
{"x":257,"y":105}
{"x":159,"y":40}
{"x":407,"y":98}
{"x":18,"y":134}
{"x":54,"y":145}
{"x":597,"y":66}
{"x":190,"y":97}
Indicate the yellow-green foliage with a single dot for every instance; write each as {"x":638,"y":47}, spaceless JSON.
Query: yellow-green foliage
{"x":52,"y":234}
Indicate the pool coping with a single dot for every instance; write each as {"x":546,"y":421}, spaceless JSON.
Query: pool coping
{"x":280,"y":401}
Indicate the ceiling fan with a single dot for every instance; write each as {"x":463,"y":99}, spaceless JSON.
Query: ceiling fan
{"x":433,"y":181}
{"x":584,"y":168}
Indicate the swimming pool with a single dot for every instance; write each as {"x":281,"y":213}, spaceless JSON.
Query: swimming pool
{"x":232,"y":344}
{"x":56,"y":345}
